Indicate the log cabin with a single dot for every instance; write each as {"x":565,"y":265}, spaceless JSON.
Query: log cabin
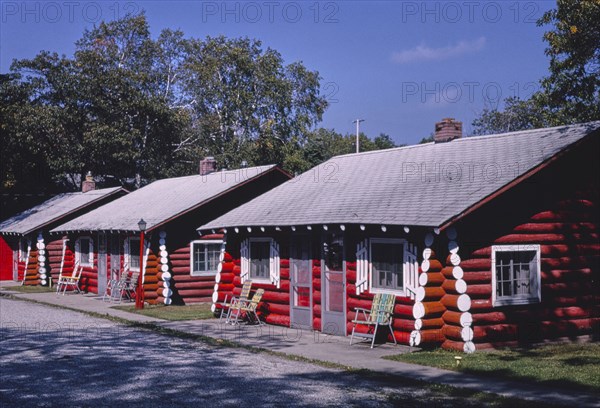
{"x":486,"y":241}
{"x":178,"y":265}
{"x":26,"y":246}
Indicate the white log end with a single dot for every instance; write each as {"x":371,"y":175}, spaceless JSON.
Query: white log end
{"x":43,"y":282}
{"x":167,"y":301}
{"x":469,"y":347}
{"x":164,"y":268}
{"x":162,"y":242}
{"x":167,"y":292}
{"x":458,"y":272}
{"x":463,"y":303}
{"x":425,"y":265}
{"x":453,"y":247}
{"x":466,"y":334}
{"x":220,"y":267}
{"x":218,"y":277}
{"x":423,"y":279}
{"x":166,"y":276}
{"x":415,"y":338}
{"x":466,"y":319}
{"x":460,"y":286}
{"x":213,"y":308}
{"x":455,"y":259}
{"x":164,"y":261}
{"x":162,"y":234}
{"x":216,"y":287}
{"x":418,"y":310}
{"x":162,"y":247}
{"x":420,"y":294}
{"x":215,"y":297}
{"x":427,"y":253}
{"x":418,"y":324}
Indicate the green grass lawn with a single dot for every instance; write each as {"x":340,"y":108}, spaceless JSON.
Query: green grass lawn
{"x":193,"y":312}
{"x":30,"y":289}
{"x":572,"y":366}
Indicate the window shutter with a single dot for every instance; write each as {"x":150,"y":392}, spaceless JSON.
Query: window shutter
{"x":411,"y":270}
{"x":146,"y":253}
{"x":91,"y":254}
{"x":362,"y":266}
{"x":126,"y":254}
{"x":62,"y":259}
{"x":274,"y":267}
{"x":77,"y":253}
{"x":245,"y":261}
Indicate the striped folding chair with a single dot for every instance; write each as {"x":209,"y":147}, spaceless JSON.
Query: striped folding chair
{"x":247,"y":308}
{"x":381,"y":314}
{"x":244,"y":295}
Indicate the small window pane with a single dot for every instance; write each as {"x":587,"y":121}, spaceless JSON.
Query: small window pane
{"x":516,"y":275}
{"x":387,"y":267}
{"x":260,"y":253}
{"x":134,"y":253}
{"x":85,"y":255}
{"x":205,"y":258}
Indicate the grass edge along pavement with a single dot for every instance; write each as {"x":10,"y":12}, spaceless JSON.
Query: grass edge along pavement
{"x":483,"y":397}
{"x":171,"y":313}
{"x":568,"y":366}
{"x":30,"y":289}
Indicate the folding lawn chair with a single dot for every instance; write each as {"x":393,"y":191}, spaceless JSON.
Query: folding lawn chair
{"x":112,"y":287}
{"x":69,"y":281}
{"x":380,"y":314}
{"x":244,"y":295}
{"x":246,"y":307}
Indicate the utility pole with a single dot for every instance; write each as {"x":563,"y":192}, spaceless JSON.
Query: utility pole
{"x":357,"y":121}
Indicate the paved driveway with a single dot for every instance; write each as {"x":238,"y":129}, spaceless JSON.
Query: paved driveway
{"x":55,"y":357}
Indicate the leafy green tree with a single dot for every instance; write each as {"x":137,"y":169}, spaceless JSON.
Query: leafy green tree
{"x":572,"y":89}
{"x":517,"y":115}
{"x":248,"y":105}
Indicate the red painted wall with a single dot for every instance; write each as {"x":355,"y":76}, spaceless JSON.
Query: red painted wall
{"x":6,"y":260}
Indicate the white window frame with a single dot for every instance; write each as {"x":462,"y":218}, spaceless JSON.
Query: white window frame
{"x":536,"y":296}
{"x":204,"y":242}
{"x":395,"y":241}
{"x":127,"y":252}
{"x":266,"y":280}
{"x":78,"y":253}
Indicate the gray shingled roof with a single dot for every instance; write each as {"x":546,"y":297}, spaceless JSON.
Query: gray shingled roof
{"x":160,"y":201}
{"x":52,"y":210}
{"x":420,"y":185}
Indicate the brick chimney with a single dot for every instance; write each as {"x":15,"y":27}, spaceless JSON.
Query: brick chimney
{"x":88,"y":184}
{"x":446,"y":130}
{"x":207,"y":165}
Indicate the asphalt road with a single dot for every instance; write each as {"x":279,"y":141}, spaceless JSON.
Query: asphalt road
{"x":55,"y":357}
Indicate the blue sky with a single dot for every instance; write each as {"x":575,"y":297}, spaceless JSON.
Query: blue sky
{"x":400,"y":65}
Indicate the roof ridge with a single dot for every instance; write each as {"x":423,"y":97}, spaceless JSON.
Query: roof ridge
{"x":268,"y":166}
{"x":469,"y":138}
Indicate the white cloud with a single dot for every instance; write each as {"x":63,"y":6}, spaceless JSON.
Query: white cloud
{"x":425,"y":53}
